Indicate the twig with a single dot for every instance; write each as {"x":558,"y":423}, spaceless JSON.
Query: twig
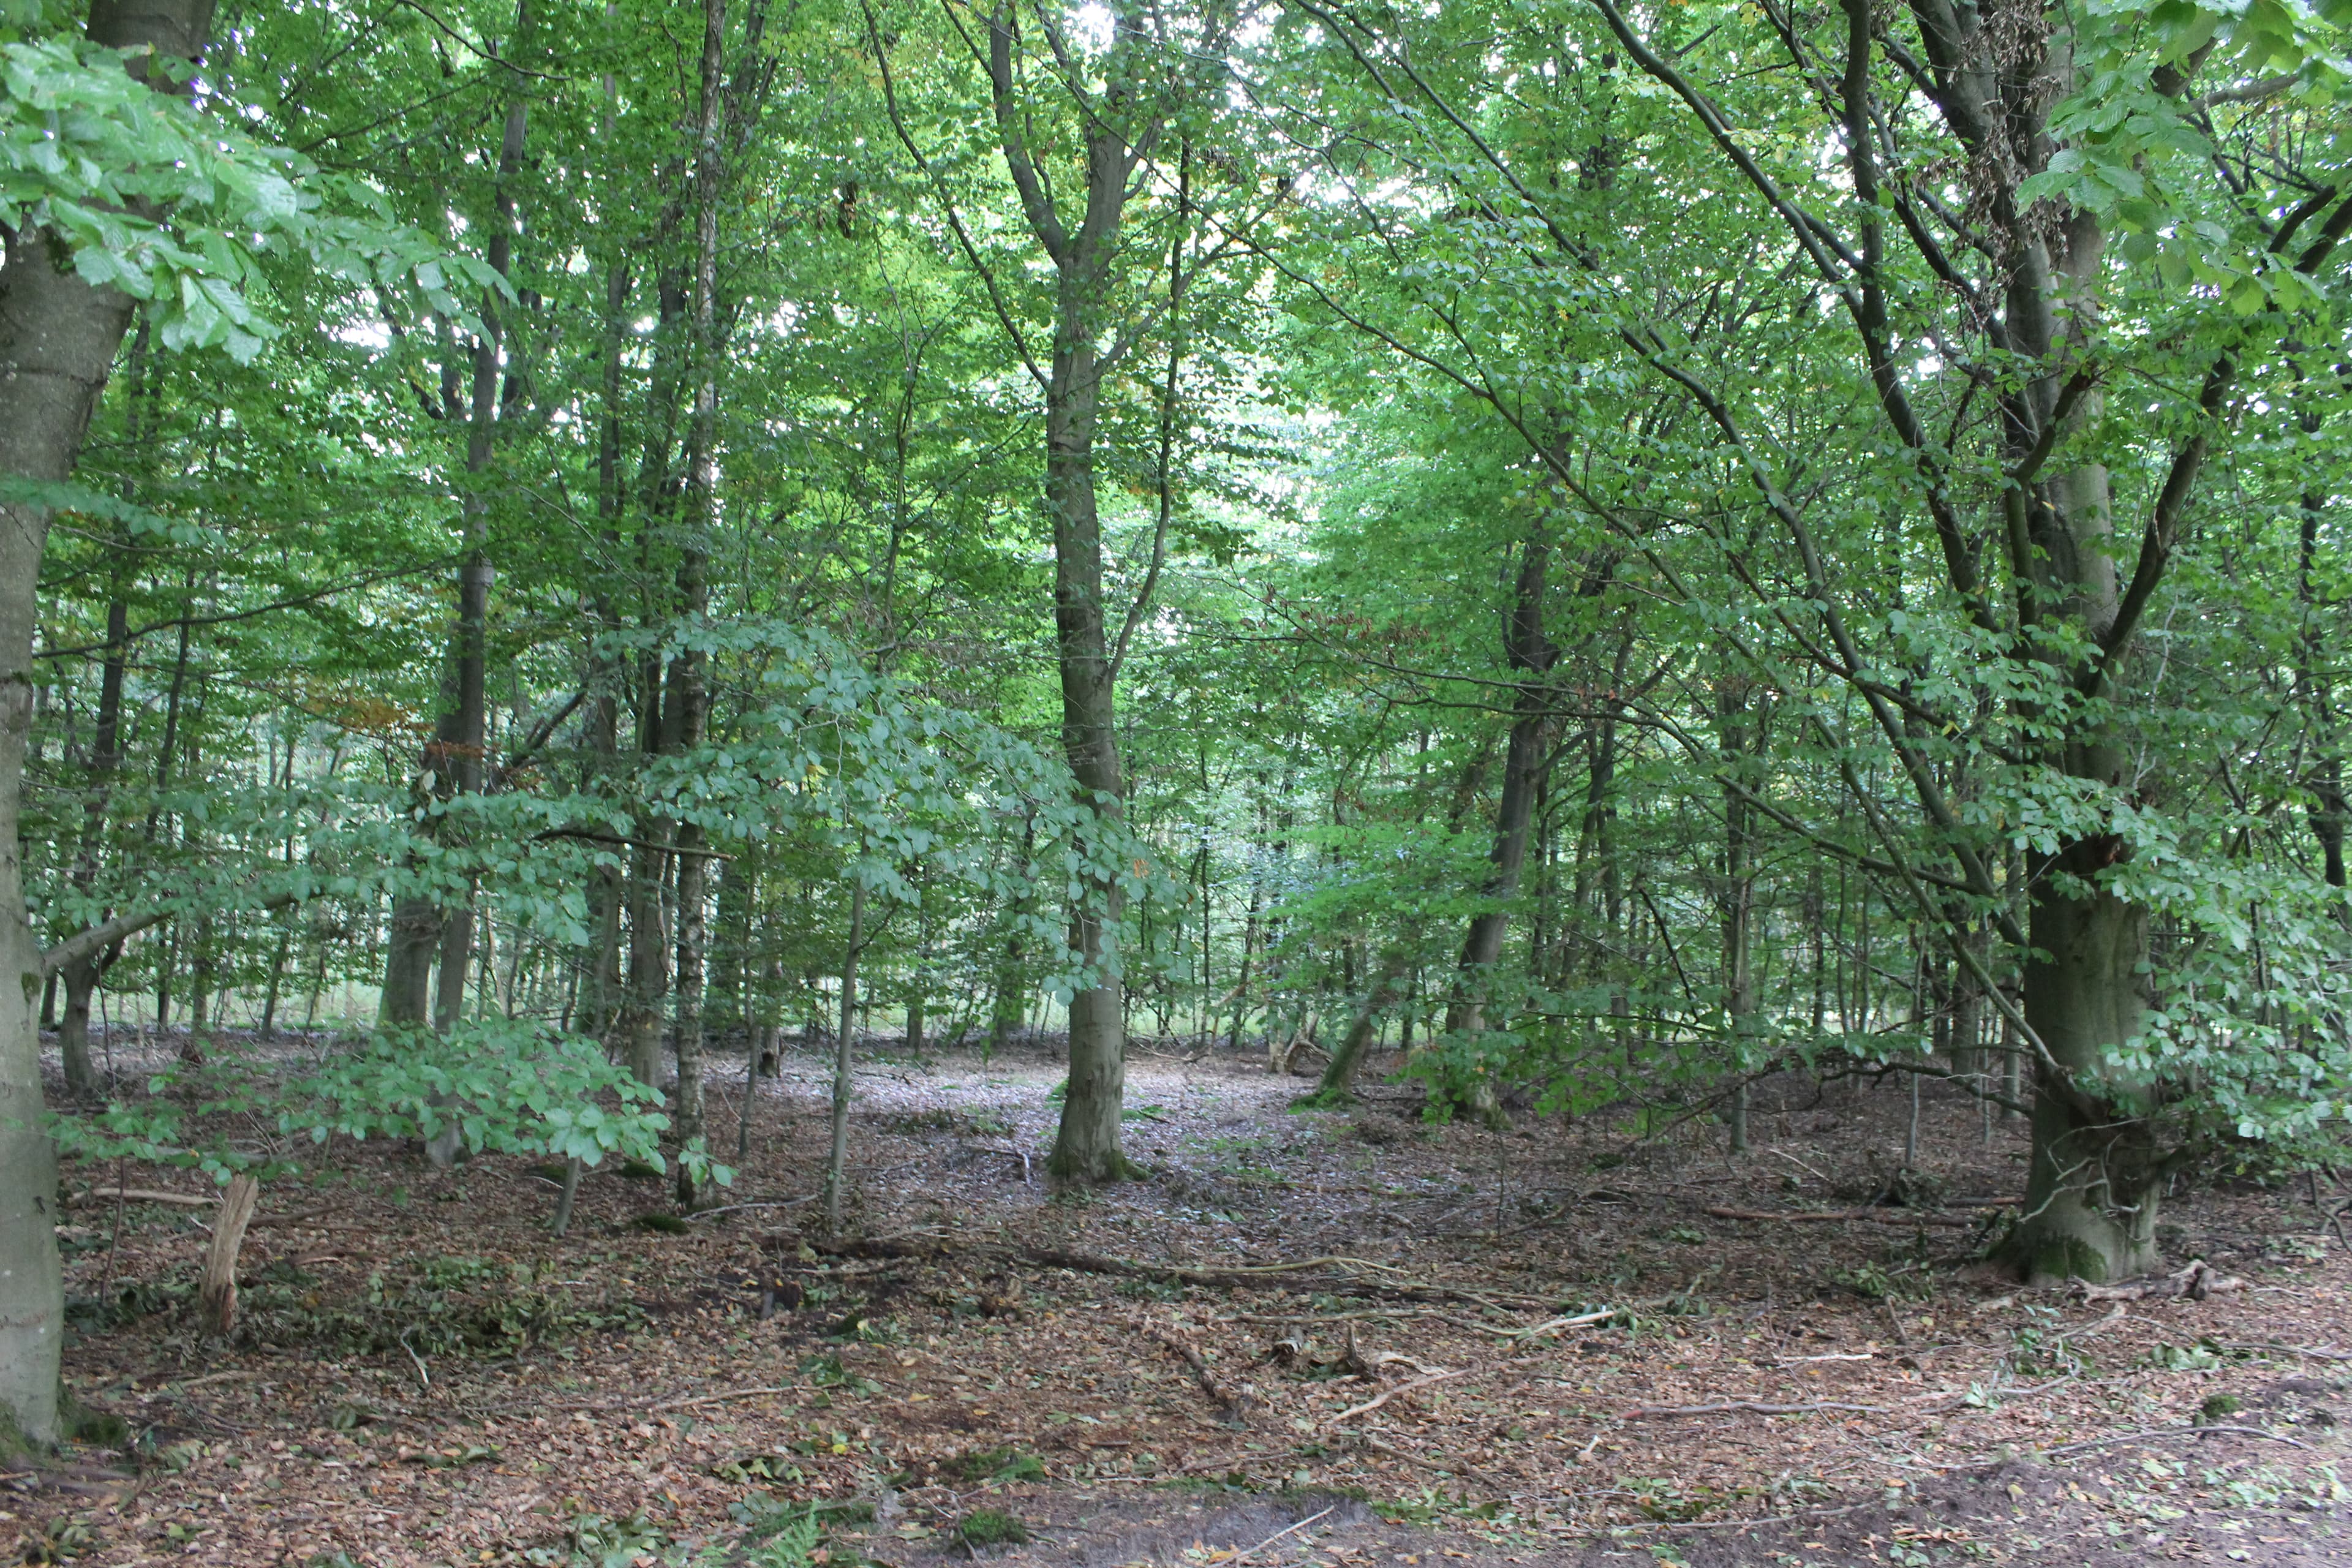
{"x":1803,"y":1513}
{"x":1781,"y":1153}
{"x":2117,"y":1315}
{"x":722,"y":1398}
{"x":423,"y":1376}
{"x":1274,"y":1537}
{"x":700,"y":1215}
{"x":2169,"y":1432}
{"x":1234,"y":1404}
{"x":1745,"y":1406}
{"x":2314,"y":1352}
{"x":1579,"y":1320}
{"x":1877,"y":1214}
{"x":1369,"y":1406}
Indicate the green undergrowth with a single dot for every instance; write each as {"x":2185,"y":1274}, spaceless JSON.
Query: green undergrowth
{"x":435,"y":1307}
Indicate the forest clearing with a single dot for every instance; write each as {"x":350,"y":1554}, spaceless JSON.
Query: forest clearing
{"x":1220,"y":783}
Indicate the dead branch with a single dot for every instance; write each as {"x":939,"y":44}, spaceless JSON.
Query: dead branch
{"x":2169,"y":1432}
{"x":1878,"y":1215}
{"x":2193,"y":1283}
{"x":1746,"y":1407}
{"x":148,"y":1195}
{"x":1234,"y":1403}
{"x":1368,"y":1406}
{"x":1277,"y":1535}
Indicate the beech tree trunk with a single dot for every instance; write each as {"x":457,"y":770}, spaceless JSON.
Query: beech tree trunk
{"x":1738,"y":743}
{"x":837,"y":1163}
{"x":58,"y":337}
{"x":1524,"y":761}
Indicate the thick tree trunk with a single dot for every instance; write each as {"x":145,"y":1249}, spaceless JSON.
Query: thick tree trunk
{"x":58,"y":337}
{"x":2092,"y":1189}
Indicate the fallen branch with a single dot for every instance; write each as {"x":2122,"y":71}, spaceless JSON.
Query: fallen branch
{"x":1262,"y":1274}
{"x":1746,"y":1407}
{"x":1274,"y":1537}
{"x":1368,"y":1406}
{"x":2314,"y":1351}
{"x":1556,"y":1324}
{"x":2117,"y":1315}
{"x":148,"y":1195}
{"x":2169,"y":1432}
{"x":1290,"y":1276}
{"x":1234,"y":1403}
{"x":722,"y":1398}
{"x":700,"y":1215}
{"x":1877,"y":1215}
{"x":2193,"y":1283}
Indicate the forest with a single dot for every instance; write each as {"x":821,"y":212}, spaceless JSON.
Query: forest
{"x":799,"y":782}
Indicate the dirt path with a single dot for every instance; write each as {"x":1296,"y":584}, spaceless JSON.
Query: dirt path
{"x":425,"y":1377}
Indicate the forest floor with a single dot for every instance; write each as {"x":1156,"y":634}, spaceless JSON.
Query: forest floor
{"x":423,"y":1375}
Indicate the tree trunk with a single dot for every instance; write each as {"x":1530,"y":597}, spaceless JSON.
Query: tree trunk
{"x":1526,"y":649}
{"x":692,"y":705}
{"x":2327,"y":811}
{"x":1086,"y":259}
{"x":58,"y":337}
{"x":1388,"y":983}
{"x":217,"y":1287}
{"x":467,"y":725}
{"x":2091,"y":1191}
{"x":838,"y":1156}
{"x":1738,"y":744}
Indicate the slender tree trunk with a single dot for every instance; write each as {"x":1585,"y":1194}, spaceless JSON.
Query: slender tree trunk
{"x":58,"y":337}
{"x":2327,"y":812}
{"x":1739,"y":744}
{"x":692,"y":705}
{"x":836,"y":1162}
{"x":1524,"y":761}
{"x":468,"y":723}
{"x":1388,"y":983}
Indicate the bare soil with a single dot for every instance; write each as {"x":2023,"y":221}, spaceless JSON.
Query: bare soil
{"x":423,"y":1375}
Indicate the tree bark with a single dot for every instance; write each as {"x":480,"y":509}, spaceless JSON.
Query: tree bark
{"x":1524,"y":760}
{"x":216,"y":1287}
{"x":1738,"y":743}
{"x":693,"y":704}
{"x":58,"y":337}
{"x":1086,"y":260}
{"x":836,"y":1164}
{"x":467,"y":725}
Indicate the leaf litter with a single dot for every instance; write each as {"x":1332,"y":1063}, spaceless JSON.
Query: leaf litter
{"x":1533,"y":1346}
